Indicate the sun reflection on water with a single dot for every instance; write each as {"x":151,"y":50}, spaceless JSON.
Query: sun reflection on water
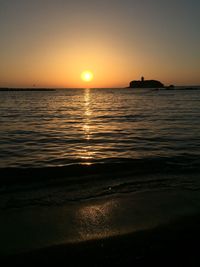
{"x":87,"y":114}
{"x":87,"y":153}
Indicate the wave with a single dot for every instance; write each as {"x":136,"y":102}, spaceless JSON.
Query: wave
{"x":50,"y":186}
{"x":185,"y":163}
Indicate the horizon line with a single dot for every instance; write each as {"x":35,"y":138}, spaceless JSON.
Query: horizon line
{"x":65,"y":88}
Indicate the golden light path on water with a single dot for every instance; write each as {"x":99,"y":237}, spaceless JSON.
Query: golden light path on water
{"x":87,"y":153}
{"x":93,"y":130}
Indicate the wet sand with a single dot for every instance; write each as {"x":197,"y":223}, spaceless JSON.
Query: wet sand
{"x":159,"y":228}
{"x":175,"y":244}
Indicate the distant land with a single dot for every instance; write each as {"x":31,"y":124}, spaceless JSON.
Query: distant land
{"x":27,"y":89}
{"x":146,"y":84}
{"x":152,"y":84}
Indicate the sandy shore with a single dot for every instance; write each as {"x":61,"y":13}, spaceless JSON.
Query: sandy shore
{"x":161,"y":228}
{"x":174,"y":244}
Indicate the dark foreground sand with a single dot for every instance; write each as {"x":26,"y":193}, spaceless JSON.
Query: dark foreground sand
{"x":158,"y":229}
{"x":175,"y":244}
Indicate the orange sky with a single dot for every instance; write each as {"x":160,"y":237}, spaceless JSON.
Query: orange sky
{"x":119,"y":41}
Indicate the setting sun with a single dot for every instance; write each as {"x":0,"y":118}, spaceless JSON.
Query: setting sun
{"x":87,"y":76}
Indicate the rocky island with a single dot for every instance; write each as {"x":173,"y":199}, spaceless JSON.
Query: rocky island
{"x":146,"y":84}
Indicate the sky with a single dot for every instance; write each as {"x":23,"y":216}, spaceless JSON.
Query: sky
{"x":49,"y":43}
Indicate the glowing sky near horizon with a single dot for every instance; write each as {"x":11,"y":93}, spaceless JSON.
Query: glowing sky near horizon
{"x":49,"y":43}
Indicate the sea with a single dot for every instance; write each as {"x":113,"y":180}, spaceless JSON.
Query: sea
{"x":69,"y":145}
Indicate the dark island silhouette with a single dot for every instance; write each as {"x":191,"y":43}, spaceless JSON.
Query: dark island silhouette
{"x":146,"y":84}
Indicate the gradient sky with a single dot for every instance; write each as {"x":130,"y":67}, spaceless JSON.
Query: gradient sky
{"x":48,"y":43}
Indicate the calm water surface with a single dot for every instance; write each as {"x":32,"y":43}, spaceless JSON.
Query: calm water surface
{"x":57,"y":128}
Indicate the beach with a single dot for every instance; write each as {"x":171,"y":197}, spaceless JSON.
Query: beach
{"x":168,"y":245}
{"x":147,"y":227}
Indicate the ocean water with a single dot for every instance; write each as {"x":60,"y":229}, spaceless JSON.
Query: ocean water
{"x":95,"y":142}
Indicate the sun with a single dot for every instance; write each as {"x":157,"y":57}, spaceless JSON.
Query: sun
{"x":87,"y":76}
